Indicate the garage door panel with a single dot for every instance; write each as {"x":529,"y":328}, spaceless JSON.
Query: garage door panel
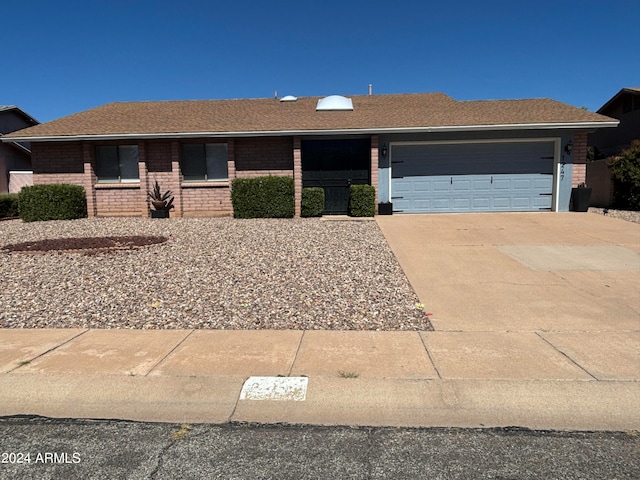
{"x":501,"y":203}
{"x":462,"y":185}
{"x":441,"y":204}
{"x":501,"y":184}
{"x":472,"y":177}
{"x":422,"y":204}
{"x":521,"y":202}
{"x":461,"y":203}
{"x":521,"y":184}
{"x":422,"y":186}
{"x":481,"y":203}
{"x":441,"y":185}
{"x":543,"y":183}
{"x":401,"y":205}
{"x":542,"y":203}
{"x":480,"y":185}
{"x":402,"y":187}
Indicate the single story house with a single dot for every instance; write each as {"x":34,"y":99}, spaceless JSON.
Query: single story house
{"x":422,"y":152}
{"x":15,"y":156}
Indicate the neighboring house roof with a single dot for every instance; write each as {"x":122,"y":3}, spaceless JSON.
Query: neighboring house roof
{"x":24,"y":147}
{"x":29,"y":118}
{"x":371,"y":114}
{"x":632,"y":90}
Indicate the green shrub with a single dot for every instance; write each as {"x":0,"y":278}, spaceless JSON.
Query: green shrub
{"x":362,"y":201}
{"x":9,"y":205}
{"x":52,"y":202}
{"x":626,"y":172}
{"x":312,"y":202}
{"x":263,"y":197}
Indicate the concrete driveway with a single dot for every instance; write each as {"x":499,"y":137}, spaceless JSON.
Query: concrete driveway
{"x":522,"y":272}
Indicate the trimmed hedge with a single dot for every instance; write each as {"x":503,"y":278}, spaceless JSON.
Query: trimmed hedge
{"x":52,"y":202}
{"x":263,"y":197}
{"x":312,"y":202}
{"x":8,"y":205}
{"x":362,"y":201}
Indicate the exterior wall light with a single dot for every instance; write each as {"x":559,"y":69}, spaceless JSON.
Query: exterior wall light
{"x":568,"y":148}
{"x":384,"y":151}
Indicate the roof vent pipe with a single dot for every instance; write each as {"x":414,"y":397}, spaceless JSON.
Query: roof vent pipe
{"x":370,"y":89}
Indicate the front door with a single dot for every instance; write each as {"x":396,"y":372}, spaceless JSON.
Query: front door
{"x":335,"y":165}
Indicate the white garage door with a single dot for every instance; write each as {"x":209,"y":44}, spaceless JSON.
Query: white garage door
{"x":472,"y":177}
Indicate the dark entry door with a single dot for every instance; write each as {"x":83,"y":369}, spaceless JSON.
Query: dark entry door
{"x":335,"y":165}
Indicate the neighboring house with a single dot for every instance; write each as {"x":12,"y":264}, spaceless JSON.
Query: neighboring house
{"x":424,"y":152}
{"x":15,"y":157}
{"x":624,"y":106}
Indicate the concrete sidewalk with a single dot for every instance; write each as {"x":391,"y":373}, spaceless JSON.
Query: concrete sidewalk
{"x":568,"y":380}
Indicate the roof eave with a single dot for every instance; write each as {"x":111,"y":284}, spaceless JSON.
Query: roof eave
{"x":20,"y":147}
{"x":615,"y":98}
{"x":28,"y":117}
{"x":346,"y":131}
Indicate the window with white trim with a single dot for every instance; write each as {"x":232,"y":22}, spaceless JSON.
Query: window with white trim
{"x":117,"y":163}
{"x":204,"y":162}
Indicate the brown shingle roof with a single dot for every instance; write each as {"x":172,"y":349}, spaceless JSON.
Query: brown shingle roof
{"x":263,"y":116}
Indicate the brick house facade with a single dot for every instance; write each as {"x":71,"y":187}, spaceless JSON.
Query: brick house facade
{"x":269,"y":137}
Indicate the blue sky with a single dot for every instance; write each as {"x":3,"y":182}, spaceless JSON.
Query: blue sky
{"x":61,"y":57}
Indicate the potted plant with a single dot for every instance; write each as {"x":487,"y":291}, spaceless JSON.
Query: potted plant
{"x":162,"y":202}
{"x":580,"y":197}
{"x":385,"y":208}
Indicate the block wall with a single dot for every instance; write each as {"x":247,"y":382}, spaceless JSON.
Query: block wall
{"x":263,"y":156}
{"x":209,"y":201}
{"x":118,"y":202}
{"x":57,"y":158}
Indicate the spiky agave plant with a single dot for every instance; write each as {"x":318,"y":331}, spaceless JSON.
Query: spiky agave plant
{"x":161,"y":201}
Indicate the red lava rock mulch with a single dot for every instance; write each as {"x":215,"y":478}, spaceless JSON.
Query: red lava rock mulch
{"x":84,"y":244}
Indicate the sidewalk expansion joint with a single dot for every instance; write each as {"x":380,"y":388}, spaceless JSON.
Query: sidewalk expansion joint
{"x":295,"y":357}
{"x":168,"y":353}
{"x":50,"y":350}
{"x":567,"y":356}
{"x":429,"y":355}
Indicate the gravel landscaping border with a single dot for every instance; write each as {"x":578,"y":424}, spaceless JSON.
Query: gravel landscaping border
{"x":217,"y":273}
{"x":628,"y":215}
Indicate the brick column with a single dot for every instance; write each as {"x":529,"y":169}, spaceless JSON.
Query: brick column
{"x":374,"y":166}
{"x":89,"y":178}
{"x":297,"y":174}
{"x":231,"y":159}
{"x":579,"y":154}
{"x":174,"y":184}
{"x":143,"y":173}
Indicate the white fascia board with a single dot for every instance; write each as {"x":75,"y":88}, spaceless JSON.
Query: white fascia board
{"x":346,"y":131}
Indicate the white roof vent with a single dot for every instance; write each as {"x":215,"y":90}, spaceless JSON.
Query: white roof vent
{"x":334,"y":102}
{"x":288,"y":98}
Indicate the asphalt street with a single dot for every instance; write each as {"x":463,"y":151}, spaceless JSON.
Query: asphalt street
{"x":41,"y":448}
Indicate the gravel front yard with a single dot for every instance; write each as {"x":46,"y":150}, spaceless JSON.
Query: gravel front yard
{"x":216,"y":273}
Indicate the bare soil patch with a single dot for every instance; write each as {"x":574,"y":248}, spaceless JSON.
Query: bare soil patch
{"x":85,"y":244}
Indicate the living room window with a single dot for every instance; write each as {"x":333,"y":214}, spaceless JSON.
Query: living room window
{"x":204,"y":162}
{"x":117,"y":163}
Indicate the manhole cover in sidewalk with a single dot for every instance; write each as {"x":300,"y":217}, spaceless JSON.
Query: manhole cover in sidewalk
{"x":275,"y":388}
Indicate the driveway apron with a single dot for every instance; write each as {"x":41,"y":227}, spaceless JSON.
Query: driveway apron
{"x":521,"y":271}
